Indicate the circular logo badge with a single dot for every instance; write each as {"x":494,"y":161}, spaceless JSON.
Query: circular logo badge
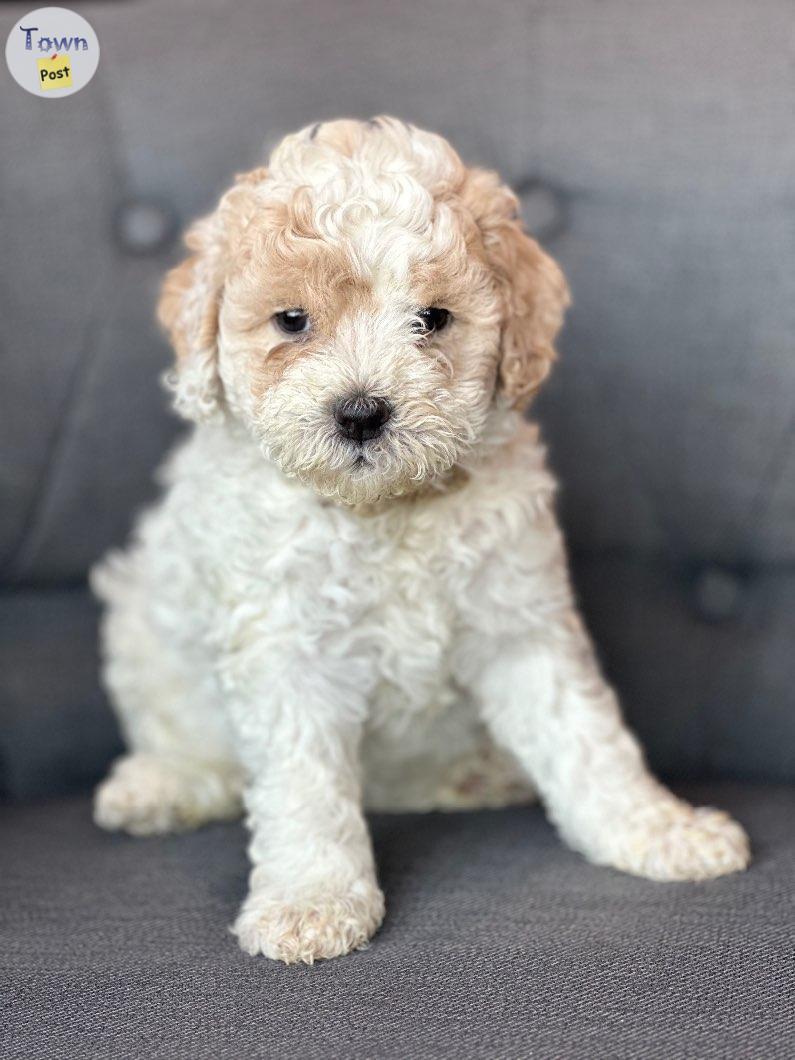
{"x":52,"y":52}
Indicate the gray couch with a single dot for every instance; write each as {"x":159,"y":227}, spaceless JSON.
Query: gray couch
{"x":653,"y":146}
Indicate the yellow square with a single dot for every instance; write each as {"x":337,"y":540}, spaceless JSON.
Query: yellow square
{"x":55,"y":72}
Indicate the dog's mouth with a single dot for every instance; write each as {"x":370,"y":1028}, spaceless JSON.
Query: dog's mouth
{"x":363,"y":456}
{"x":361,"y":462}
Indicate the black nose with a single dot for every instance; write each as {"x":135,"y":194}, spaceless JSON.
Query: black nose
{"x":360,"y":417}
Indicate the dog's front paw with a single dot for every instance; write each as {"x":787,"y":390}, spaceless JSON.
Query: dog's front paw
{"x":679,"y":842}
{"x":307,"y":927}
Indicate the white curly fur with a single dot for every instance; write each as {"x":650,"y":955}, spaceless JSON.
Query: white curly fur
{"x":302,"y":627}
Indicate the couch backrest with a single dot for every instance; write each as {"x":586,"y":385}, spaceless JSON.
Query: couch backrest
{"x":653,"y":146}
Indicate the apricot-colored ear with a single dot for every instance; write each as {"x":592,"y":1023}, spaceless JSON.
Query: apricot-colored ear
{"x":188,"y":310}
{"x":534,"y":289}
{"x":190,"y":300}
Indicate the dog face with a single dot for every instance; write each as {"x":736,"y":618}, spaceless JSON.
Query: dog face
{"x":361,"y":306}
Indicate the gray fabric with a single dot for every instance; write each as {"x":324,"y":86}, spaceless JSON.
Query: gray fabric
{"x":654,"y":146}
{"x":498,"y":943}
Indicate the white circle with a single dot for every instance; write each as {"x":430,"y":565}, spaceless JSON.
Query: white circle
{"x":50,"y":46}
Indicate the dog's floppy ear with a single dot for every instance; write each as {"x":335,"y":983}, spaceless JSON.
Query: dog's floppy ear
{"x":191,"y":296}
{"x":534,"y":289}
{"x":188,"y":310}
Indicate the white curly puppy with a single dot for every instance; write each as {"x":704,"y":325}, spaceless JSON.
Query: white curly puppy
{"x":354,"y":591}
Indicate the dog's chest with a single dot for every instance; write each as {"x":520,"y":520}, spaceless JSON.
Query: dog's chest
{"x":413,"y":633}
{"x":375,"y":591}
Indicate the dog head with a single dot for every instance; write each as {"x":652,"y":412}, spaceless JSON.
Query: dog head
{"x":361,"y":306}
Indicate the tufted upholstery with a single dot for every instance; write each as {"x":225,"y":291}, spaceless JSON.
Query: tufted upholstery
{"x":653,"y":147}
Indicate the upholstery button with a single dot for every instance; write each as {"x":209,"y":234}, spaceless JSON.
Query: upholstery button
{"x":144,"y":226}
{"x":543,"y":209}
{"x":718,"y":594}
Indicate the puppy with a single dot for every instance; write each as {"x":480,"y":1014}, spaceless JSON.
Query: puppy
{"x":354,"y":592}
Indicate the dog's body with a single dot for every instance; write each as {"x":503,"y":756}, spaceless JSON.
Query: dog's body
{"x":366,"y":603}
{"x":387,"y":606}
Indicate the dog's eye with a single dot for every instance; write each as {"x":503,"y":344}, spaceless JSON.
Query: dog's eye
{"x":292,"y":321}
{"x":432,"y":318}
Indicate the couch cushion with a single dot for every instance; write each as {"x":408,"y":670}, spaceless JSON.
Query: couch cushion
{"x":498,"y":942}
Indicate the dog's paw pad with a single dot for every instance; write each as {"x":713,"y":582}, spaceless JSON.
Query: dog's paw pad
{"x":685,"y":844}
{"x":310,"y":929}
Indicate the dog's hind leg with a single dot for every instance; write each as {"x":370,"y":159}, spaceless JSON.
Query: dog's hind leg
{"x":181,"y":770}
{"x":479,"y":776}
{"x":487,"y":778}
{"x":152,"y":794}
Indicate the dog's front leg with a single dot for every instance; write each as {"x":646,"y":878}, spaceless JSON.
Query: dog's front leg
{"x":313,"y":889}
{"x":545,"y":699}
